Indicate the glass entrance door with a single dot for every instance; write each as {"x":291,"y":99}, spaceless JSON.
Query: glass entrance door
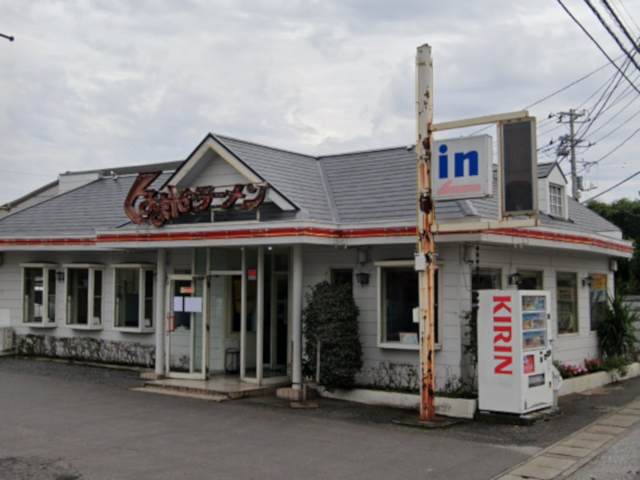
{"x":187,"y":326}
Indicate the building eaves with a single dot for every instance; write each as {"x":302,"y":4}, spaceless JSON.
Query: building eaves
{"x":9,"y":205}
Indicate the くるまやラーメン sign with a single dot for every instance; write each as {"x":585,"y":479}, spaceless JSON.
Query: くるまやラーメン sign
{"x":156,"y":207}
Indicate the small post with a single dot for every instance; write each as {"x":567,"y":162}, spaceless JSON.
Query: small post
{"x":426,"y":218}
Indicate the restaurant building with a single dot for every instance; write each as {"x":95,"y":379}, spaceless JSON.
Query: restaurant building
{"x":209,"y":259}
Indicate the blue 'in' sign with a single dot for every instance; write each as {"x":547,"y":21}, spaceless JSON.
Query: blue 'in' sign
{"x":459,"y":161}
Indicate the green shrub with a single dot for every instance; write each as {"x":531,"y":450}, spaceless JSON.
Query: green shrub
{"x":616,"y":328}
{"x":331,"y":318}
{"x":616,"y":334}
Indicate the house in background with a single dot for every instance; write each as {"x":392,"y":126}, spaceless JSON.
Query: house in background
{"x":218,"y":287}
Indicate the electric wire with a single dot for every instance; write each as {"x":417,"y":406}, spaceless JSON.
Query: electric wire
{"x":596,"y":43}
{"x":629,"y":14}
{"x":31,"y":174}
{"x":613,"y":35}
{"x":611,"y":188}
{"x":622,"y":27}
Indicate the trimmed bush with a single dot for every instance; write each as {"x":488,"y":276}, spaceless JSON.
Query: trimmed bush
{"x":331,"y":319}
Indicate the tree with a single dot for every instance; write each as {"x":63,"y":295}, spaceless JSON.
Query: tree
{"x":331,"y":320}
{"x":625,"y":214}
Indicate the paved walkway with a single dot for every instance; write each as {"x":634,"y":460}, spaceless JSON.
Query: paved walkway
{"x":574,"y":452}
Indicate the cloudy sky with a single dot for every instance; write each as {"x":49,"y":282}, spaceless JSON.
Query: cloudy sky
{"x":105,"y":83}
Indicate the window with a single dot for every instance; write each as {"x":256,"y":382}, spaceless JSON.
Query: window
{"x":597,"y":298}
{"x":484,"y":279}
{"x":84,"y":290}
{"x":341,"y":276}
{"x":531,"y":280}
{"x":39,"y":294}
{"x":398,"y":292}
{"x":567,"y":298}
{"x":134,"y":295}
{"x":556,"y":194}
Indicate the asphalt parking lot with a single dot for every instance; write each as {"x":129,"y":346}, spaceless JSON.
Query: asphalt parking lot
{"x":62,"y":421}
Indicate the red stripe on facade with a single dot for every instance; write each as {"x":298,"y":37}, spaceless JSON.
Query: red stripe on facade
{"x":308,"y":232}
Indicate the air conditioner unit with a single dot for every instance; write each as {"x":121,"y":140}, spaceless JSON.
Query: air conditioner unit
{"x":6,"y":339}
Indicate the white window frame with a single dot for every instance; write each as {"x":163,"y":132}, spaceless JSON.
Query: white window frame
{"x":561,"y":206}
{"x":380,"y":265}
{"x":142,"y":269}
{"x":46,"y":268}
{"x":576,"y":275}
{"x":92,"y":268}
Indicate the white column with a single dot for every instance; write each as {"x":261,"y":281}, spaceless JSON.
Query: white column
{"x":243,"y":316}
{"x":161,"y":279}
{"x":260,"y":316}
{"x":296,"y":328}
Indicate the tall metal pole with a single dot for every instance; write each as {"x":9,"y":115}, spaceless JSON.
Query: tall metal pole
{"x":426,"y":218}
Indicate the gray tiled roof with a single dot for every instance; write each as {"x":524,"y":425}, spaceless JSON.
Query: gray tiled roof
{"x":373,"y":186}
{"x":294,"y":175}
{"x":97,"y":205}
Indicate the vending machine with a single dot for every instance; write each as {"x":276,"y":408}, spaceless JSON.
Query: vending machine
{"x":515,"y":369}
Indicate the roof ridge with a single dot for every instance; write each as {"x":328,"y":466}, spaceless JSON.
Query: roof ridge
{"x":227,"y":137}
{"x":125,"y":168}
{"x":358,"y":152}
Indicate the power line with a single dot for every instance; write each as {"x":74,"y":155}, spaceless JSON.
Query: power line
{"x":597,"y":44}
{"x":615,"y":186}
{"x":629,"y":14}
{"x":616,"y":19}
{"x":613,"y":35}
{"x":25,"y":173}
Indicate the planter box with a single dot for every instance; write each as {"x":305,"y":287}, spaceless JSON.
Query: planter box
{"x":595,"y":380}
{"x":448,"y":407}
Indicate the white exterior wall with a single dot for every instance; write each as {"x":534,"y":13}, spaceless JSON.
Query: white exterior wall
{"x":455,"y":296}
{"x":568,"y":348}
{"x":318,"y":261}
{"x":11,"y":289}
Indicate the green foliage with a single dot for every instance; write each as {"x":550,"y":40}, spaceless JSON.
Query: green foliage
{"x":625,"y":214}
{"x":331,"y":318}
{"x":616,"y":329}
{"x":86,"y":349}
{"x":396,"y":377}
{"x":471,"y":348}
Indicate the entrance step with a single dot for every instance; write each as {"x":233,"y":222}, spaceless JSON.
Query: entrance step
{"x":229,"y":390}
{"x":175,"y":393}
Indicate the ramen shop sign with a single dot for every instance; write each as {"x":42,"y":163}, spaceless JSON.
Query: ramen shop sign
{"x":145,"y":205}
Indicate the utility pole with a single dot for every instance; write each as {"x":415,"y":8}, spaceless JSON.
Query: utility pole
{"x":425,"y":258}
{"x":572,"y":115}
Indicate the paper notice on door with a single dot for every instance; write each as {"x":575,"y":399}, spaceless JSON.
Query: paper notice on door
{"x":178,"y":304}
{"x":193,"y":304}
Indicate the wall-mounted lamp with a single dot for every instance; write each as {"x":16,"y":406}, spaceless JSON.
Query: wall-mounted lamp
{"x":60,"y":276}
{"x":363,"y":257}
{"x":515,"y":279}
{"x":362,"y":278}
{"x":587,"y":281}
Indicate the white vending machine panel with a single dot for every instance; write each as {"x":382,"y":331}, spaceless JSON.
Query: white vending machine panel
{"x":514,"y":352}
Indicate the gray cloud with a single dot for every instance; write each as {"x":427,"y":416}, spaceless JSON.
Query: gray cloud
{"x":92,"y":84}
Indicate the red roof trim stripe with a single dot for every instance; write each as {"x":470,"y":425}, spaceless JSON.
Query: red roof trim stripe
{"x":307,"y":232}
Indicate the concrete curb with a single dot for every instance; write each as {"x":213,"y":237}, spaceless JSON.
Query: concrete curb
{"x":567,"y":456}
